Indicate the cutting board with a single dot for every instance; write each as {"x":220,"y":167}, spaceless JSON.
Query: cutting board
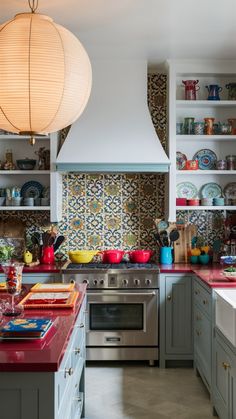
{"x":183,"y":245}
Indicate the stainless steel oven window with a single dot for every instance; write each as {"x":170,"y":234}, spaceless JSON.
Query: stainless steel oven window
{"x":116,"y":316}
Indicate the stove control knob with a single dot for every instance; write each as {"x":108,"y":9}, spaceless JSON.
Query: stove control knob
{"x":95,"y":282}
{"x":125,"y":281}
{"x":86,"y":281}
{"x":137,"y":281}
{"x":148,"y":281}
{"x":101,"y":281}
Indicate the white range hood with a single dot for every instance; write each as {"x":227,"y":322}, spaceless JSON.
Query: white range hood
{"x":115,"y":133}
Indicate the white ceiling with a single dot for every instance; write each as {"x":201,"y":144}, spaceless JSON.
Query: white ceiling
{"x":152,"y":29}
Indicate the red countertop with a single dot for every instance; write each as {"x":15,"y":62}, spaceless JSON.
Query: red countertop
{"x":43,"y":355}
{"x":41,"y":269}
{"x":212,"y":275}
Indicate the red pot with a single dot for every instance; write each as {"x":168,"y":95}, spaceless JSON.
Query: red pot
{"x":140,"y":256}
{"x":113,"y":256}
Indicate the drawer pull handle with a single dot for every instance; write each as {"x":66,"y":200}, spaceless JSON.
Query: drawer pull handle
{"x":78,"y":399}
{"x":198,"y":332}
{"x":69,"y":371}
{"x":198,"y":317}
{"x":205,"y":302}
{"x":81,"y":325}
{"x":77,"y":351}
{"x":225,"y":365}
{"x":169,"y":297}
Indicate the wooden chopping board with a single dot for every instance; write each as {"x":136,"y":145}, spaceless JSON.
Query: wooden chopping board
{"x":183,"y":245}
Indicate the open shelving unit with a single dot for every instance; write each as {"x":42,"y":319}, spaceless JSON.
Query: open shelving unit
{"x":207,"y":72}
{"x":21,"y":148}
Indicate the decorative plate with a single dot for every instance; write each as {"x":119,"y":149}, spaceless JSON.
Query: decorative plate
{"x":206,"y":159}
{"x":31,"y":189}
{"x":211,"y":190}
{"x":162,"y":225}
{"x":230,"y":190}
{"x":186,"y":190}
{"x":180,"y":160}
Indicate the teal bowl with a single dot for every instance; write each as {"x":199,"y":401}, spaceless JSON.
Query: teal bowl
{"x":204,"y":259}
{"x":194,"y":259}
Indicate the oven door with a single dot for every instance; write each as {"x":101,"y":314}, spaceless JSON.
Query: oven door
{"x":122,"y":318}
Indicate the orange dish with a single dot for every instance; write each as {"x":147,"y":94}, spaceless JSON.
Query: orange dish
{"x":54,"y":287}
{"x":50,"y":299}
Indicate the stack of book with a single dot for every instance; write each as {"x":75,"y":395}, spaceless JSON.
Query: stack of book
{"x":26,"y":328}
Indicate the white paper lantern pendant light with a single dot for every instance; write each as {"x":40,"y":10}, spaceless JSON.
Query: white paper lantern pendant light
{"x":45,"y":75}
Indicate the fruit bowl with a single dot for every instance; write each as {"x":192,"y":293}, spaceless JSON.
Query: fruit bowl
{"x":230,"y":275}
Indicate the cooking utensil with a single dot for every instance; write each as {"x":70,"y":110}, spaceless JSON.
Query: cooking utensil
{"x":173,"y":236}
{"x":164,"y":238}
{"x":57,"y":243}
{"x":140,"y":256}
{"x":158,"y":239}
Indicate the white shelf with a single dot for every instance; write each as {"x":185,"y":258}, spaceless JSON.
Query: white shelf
{"x":203,"y":208}
{"x":205,"y":103}
{"x":205,"y":137}
{"x":24,"y":208}
{"x":24,"y":172}
{"x":206,"y":172}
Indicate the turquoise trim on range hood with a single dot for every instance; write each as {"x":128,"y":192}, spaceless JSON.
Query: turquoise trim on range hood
{"x":113,"y":167}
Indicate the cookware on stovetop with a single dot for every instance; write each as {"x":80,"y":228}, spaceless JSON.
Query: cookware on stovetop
{"x":82,"y":256}
{"x":112,"y":256}
{"x":140,"y":256}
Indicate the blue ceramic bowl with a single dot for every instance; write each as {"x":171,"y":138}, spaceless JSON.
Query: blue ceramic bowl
{"x":194,"y":259}
{"x":204,"y":259}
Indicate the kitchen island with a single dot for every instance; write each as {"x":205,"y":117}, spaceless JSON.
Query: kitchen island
{"x":44,"y":379}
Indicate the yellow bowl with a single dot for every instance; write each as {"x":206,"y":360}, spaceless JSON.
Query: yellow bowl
{"x":82,"y":256}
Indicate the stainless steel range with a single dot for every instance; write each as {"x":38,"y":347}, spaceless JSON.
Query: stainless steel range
{"x":122,"y":313}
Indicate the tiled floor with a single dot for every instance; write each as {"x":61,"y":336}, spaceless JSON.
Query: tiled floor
{"x":138,"y":391}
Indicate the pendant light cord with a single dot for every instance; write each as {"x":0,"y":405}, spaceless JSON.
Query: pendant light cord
{"x":33,"y":4}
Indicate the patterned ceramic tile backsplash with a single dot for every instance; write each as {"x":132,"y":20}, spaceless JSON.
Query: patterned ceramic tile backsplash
{"x":102,"y":211}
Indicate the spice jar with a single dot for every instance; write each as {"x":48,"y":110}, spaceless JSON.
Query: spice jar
{"x":231,"y":162}
{"x":209,"y":125}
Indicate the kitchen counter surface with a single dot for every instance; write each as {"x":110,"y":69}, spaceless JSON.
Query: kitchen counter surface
{"x":41,"y":355}
{"x":41,"y":269}
{"x":212,"y":275}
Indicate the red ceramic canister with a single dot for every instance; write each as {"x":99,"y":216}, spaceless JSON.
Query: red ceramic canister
{"x":193,"y":202}
{"x":192,"y":165}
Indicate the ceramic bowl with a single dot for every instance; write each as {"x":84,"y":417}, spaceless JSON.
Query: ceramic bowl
{"x":204,"y":259}
{"x":26,"y":164}
{"x":82,"y":256}
{"x":194,"y":259}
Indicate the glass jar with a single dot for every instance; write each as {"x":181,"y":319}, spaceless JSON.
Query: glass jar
{"x":231,"y":162}
{"x":188,"y":125}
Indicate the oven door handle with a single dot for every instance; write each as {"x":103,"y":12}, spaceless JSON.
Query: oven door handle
{"x":151,"y":294}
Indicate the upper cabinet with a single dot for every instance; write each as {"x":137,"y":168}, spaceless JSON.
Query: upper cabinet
{"x":29,"y":185}
{"x":202,"y":126}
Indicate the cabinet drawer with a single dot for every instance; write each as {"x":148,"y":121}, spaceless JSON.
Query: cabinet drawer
{"x":203,"y":298}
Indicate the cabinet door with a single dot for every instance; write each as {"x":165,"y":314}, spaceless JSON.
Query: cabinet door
{"x":178,"y":294}
{"x":221,"y":380}
{"x":202,"y":342}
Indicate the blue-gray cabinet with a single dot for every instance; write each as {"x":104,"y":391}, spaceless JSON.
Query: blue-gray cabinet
{"x":33,"y":278}
{"x":224,"y":378}
{"x":49,"y":395}
{"x":176,"y":337}
{"x":202,"y":299}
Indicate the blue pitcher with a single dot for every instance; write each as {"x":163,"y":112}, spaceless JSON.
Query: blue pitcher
{"x":213,"y":91}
